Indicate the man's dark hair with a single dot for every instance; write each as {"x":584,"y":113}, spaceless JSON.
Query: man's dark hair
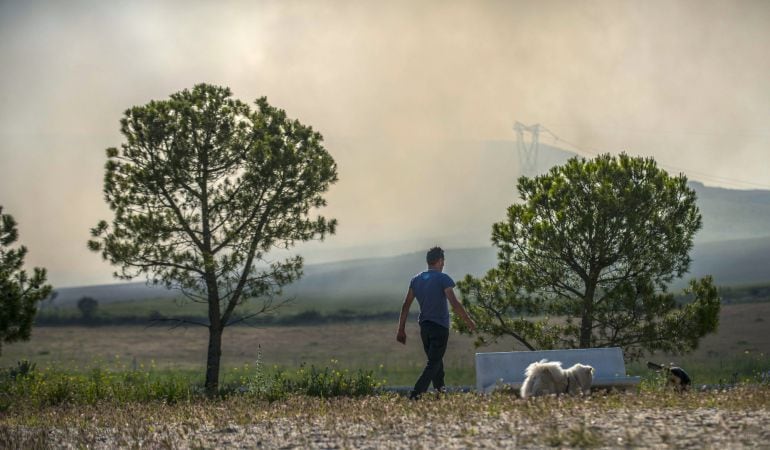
{"x":434,"y":255}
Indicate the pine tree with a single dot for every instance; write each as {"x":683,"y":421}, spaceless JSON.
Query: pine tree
{"x":19,"y":293}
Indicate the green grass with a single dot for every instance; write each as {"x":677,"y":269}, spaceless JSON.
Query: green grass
{"x":740,"y":347}
{"x":52,"y":386}
{"x":308,"y":310}
{"x":739,"y":351}
{"x":746,"y":367}
{"x":182,"y":306}
{"x":119,"y":382}
{"x":145,"y":308}
{"x":26,"y":385}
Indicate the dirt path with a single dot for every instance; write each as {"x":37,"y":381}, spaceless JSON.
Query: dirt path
{"x":724,"y":420}
{"x":702,"y":428}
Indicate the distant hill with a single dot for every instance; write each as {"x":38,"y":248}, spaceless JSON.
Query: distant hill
{"x":734,"y":244}
{"x":361,"y":280}
{"x":107,"y":293}
{"x":736,"y":262}
{"x":730,"y":214}
{"x":381,"y":278}
{"x":378,"y":280}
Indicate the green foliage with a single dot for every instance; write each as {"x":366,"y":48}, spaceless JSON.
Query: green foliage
{"x":202,"y":189}
{"x":330,"y":382}
{"x":19,"y":293}
{"x":52,"y":386}
{"x":26,"y":385}
{"x":265,"y":386}
{"x":585,"y":260}
{"x":315,"y":382}
{"x":23,"y":369}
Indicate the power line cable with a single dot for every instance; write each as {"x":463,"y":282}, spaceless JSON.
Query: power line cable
{"x":753,"y":133}
{"x":702,"y":175}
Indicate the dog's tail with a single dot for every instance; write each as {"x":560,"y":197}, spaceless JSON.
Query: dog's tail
{"x":528,"y":387}
{"x":532,"y":367}
{"x":653,"y":366}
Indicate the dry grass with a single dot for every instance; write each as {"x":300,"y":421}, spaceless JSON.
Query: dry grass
{"x":736,"y":418}
{"x":369,"y":345}
{"x":742,"y":328}
{"x":653,"y":419}
{"x":739,"y":351}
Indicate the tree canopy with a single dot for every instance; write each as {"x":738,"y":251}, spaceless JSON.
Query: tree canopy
{"x":19,"y":292}
{"x":586,"y":258}
{"x":202,"y":190}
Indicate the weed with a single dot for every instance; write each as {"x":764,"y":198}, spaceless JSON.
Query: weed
{"x":27,"y":385}
{"x":331,"y":382}
{"x":582,"y":436}
{"x":23,"y":368}
{"x":13,"y":438}
{"x":575,"y":436}
{"x":553,"y":438}
{"x":263,"y":385}
{"x":57,"y":387}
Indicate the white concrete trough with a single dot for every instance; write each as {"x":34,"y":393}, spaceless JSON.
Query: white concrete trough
{"x":497,"y":369}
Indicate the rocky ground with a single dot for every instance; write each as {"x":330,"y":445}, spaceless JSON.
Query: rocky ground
{"x":738,"y":418}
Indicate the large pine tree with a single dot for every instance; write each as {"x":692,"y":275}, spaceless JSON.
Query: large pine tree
{"x":585,"y":260}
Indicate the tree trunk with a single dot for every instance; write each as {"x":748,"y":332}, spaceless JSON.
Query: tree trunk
{"x":212,"y":361}
{"x":215,"y":337}
{"x":587,"y":321}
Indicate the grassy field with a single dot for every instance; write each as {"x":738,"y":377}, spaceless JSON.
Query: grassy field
{"x":741,"y":346}
{"x":368,"y":345}
{"x":322,"y":303}
{"x":132,"y":386}
{"x":182,"y":307}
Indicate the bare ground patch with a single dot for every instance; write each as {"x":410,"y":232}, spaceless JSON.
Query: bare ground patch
{"x":738,"y":418}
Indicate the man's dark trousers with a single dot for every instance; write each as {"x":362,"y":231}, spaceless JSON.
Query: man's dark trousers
{"x":434,"y":342}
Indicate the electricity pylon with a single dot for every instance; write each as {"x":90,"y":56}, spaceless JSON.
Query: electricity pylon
{"x":527,"y":152}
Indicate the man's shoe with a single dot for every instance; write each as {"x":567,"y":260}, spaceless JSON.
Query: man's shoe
{"x":414,"y":396}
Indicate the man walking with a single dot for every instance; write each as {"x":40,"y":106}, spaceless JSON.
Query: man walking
{"x":433,"y":289}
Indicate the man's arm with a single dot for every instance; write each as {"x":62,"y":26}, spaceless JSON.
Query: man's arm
{"x":459,"y":309}
{"x":401,"y":334}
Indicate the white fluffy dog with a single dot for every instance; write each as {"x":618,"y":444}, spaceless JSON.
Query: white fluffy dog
{"x":545,"y":378}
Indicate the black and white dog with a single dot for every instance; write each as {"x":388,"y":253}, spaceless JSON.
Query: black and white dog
{"x":676,"y":377}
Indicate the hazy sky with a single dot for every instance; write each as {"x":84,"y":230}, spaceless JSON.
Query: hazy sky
{"x":393,"y":86}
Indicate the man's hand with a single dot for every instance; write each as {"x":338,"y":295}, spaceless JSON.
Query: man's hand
{"x":401,"y":336}
{"x":459,"y":309}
